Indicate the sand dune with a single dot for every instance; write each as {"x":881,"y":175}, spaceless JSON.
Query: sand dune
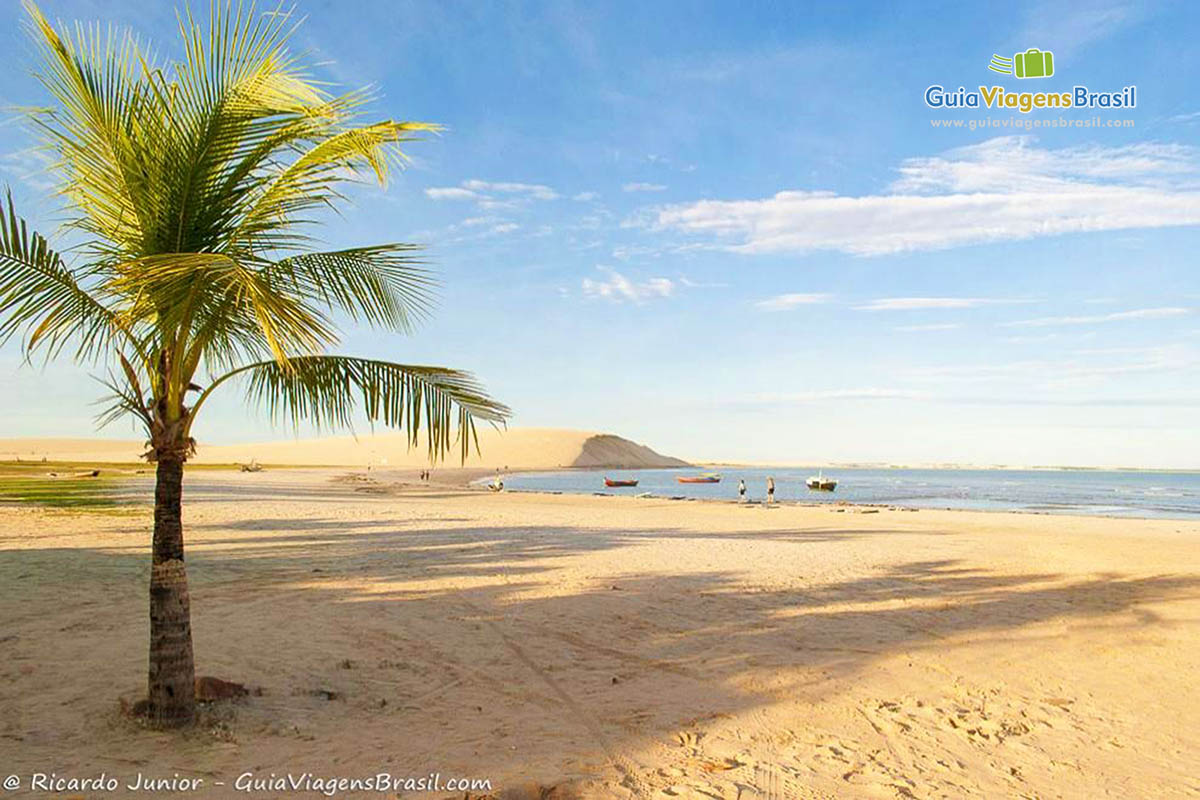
{"x":517,"y":448}
{"x":102,"y":451}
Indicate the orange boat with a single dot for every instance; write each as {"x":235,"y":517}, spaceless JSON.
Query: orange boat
{"x":709,"y":478}
{"x":619,"y":483}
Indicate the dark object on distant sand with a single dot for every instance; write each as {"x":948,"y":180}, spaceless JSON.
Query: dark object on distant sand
{"x":210,"y":689}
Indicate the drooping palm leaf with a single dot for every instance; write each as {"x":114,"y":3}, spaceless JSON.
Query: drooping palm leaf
{"x":42,"y":297}
{"x":327,"y":390}
{"x":384,"y":285}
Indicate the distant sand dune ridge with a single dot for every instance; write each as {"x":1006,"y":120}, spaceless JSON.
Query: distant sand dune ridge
{"x":516,"y":448}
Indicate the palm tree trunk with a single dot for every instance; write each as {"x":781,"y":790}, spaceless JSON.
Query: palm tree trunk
{"x":172,"y":670}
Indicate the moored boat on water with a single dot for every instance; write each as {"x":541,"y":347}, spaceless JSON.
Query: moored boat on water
{"x":819,"y":483}
{"x":619,"y":482}
{"x":709,"y":477}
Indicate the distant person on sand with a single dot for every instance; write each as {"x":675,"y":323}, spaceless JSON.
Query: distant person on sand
{"x":498,"y":484}
{"x":741,"y":491}
{"x":770,"y":489}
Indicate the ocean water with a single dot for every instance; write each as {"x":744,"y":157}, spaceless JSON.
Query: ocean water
{"x":1127,"y":494}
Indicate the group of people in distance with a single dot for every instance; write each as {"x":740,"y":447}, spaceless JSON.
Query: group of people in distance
{"x":770,"y":490}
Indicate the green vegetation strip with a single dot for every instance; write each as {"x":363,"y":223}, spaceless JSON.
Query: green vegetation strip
{"x":59,"y":492}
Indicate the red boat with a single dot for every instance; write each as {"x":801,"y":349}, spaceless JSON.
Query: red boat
{"x":619,"y":483}
{"x":709,"y":478}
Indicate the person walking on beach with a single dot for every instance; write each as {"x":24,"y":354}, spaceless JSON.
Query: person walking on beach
{"x":741,"y":490}
{"x":770,"y":490}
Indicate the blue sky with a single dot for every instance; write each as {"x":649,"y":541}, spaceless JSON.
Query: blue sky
{"x":732,"y":231}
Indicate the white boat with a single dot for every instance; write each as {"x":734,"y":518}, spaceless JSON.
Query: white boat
{"x":819,"y":483}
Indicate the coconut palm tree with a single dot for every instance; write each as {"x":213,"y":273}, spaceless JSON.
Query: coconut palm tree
{"x":191,"y":189}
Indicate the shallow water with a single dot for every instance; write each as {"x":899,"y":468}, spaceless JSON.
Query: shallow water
{"x":1128,"y":494}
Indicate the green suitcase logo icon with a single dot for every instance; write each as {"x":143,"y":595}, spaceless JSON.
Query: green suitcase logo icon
{"x":1034,"y":63}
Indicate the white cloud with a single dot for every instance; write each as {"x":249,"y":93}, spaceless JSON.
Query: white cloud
{"x":684,"y":280}
{"x":923,"y":303}
{"x":31,"y":167}
{"x":1082,"y":366}
{"x":1139,"y":313}
{"x":584,"y":197}
{"x":785,"y":302}
{"x":482,"y":193}
{"x":504,"y":227}
{"x":949,"y":326}
{"x":817,"y":396}
{"x":1073,"y":27}
{"x":491,"y":204}
{"x":619,"y":288}
{"x":474,"y":222}
{"x":643,"y":187}
{"x":627,"y":252}
{"x":450,"y":193}
{"x":1001,"y":189}
{"x":536,"y":191}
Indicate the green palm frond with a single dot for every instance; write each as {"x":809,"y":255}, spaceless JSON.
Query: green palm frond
{"x":41,"y":296}
{"x":182,"y":289}
{"x":385,"y":285}
{"x":121,"y":401}
{"x":328,"y":390}
{"x":97,"y":123}
{"x":312,"y":179}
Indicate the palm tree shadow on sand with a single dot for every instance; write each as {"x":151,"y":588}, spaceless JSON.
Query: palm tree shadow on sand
{"x":414,"y":648}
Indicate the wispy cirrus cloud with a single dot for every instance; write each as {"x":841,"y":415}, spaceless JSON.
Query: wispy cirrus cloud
{"x":927,"y":303}
{"x":643,"y":187}
{"x":537,"y":191}
{"x":1090,"y":319}
{"x":450,"y":193}
{"x":30,"y":167}
{"x":493,"y":194}
{"x":948,"y":326}
{"x":1191,"y":116}
{"x":1066,"y":370}
{"x":786,"y":302}
{"x":1073,"y":27}
{"x":866,"y":394}
{"x":474,"y":222}
{"x":1006,"y":188}
{"x":619,"y":288}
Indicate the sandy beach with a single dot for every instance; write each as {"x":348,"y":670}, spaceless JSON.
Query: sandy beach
{"x":614,"y":647}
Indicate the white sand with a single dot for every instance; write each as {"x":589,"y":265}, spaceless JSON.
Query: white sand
{"x":629,"y":648}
